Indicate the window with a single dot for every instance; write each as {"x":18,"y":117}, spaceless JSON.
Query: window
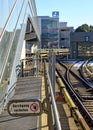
{"x":86,"y":38}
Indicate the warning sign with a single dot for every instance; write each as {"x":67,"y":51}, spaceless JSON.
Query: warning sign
{"x":31,"y":107}
{"x":34,"y":107}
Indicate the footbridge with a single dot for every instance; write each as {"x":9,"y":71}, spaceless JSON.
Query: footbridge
{"x":32,"y":95}
{"x":19,"y":23}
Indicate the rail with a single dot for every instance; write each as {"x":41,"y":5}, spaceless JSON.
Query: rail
{"x":87,"y":70}
{"x":74,"y":93}
{"x":72,"y":104}
{"x":56,"y":121}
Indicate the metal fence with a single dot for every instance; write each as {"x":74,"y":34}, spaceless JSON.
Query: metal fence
{"x":3,"y":93}
{"x":53,"y":118}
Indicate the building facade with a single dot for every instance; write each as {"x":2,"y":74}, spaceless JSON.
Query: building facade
{"x":49,"y":30}
{"x":64,"y":34}
{"x":81,"y":44}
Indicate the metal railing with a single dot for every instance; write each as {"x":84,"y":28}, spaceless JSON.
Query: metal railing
{"x":53,"y":118}
{"x":11,"y":34}
{"x":3,"y":93}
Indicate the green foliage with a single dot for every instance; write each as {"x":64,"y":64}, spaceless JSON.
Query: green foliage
{"x":84,"y":28}
{"x":91,"y":28}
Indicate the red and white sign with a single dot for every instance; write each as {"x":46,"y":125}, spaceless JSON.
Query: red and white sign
{"x":34,"y":107}
{"x":25,"y":107}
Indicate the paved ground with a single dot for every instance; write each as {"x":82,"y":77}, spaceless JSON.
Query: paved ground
{"x":26,"y":88}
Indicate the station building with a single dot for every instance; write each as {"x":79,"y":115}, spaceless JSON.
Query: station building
{"x":81,"y":45}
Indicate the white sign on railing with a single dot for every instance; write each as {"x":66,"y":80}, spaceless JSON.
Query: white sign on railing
{"x":31,"y":107}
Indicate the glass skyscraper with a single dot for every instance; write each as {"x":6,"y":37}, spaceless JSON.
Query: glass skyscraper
{"x":49,"y":32}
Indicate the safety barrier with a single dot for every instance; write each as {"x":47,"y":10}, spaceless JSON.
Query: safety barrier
{"x":53,"y":119}
{"x":3,"y":93}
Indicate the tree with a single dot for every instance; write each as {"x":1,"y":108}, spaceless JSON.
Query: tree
{"x":91,"y":28}
{"x":84,"y":28}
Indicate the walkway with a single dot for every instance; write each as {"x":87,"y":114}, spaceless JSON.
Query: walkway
{"x":26,"y":88}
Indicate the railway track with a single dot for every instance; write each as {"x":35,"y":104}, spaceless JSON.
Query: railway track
{"x":87,"y":74}
{"x":80,"y":91}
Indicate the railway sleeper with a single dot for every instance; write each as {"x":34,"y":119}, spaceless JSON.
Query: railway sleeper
{"x":90,"y":110}
{"x":86,"y":94}
{"x":82,"y":91}
{"x":90,"y":107}
{"x":89,"y":89}
{"x":87,"y":97}
{"x":88,"y":104}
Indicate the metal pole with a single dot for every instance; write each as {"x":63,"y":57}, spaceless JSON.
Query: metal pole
{"x":54,"y":107}
{"x":57,"y":122}
{"x":53,"y":72}
{"x":22,"y":65}
{"x":52,"y":61}
{"x":50,"y":118}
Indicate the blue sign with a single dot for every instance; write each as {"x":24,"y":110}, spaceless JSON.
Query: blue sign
{"x":55,"y":14}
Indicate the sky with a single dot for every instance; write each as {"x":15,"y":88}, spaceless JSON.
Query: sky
{"x":74,"y":12}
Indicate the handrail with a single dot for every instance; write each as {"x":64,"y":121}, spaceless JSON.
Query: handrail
{"x":11,"y":89}
{"x":3,"y":93}
{"x":3,"y":88}
{"x":57,"y":122}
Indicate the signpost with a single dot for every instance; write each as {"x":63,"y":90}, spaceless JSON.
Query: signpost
{"x":25,"y":107}
{"x":55,"y":14}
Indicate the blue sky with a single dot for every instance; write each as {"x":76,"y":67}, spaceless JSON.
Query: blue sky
{"x":75,"y":12}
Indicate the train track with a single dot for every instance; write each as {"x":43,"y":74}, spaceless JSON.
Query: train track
{"x":87,"y":74}
{"x":80,"y":91}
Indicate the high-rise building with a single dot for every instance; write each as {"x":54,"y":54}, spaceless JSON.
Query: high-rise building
{"x":49,"y":30}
